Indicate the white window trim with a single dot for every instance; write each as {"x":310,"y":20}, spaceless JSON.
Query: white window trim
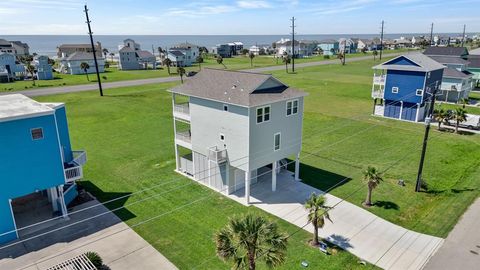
{"x":421,"y":92}
{"x":31,"y":134}
{"x":395,"y":90}
{"x":286,"y":107}
{"x":279,"y":142}
{"x":263,"y":114}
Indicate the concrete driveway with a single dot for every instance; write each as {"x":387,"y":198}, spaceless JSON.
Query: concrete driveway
{"x":367,"y":236}
{"x":118,"y":245}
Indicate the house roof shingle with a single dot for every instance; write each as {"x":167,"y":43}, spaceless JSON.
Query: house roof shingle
{"x":446,"y":51}
{"x":453,"y":73}
{"x":236,"y":87}
{"x":449,"y":60}
{"x":80,"y":56}
{"x":474,"y":62}
{"x":425,"y":63}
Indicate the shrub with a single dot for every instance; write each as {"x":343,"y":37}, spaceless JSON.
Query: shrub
{"x":94,"y":258}
{"x":107,"y":65}
{"x":326,"y":57}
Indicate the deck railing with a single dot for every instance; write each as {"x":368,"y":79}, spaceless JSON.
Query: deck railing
{"x":379,"y":79}
{"x":73,"y":173}
{"x":217,"y":155}
{"x":183,"y":108}
{"x":185,"y":136}
{"x":377,"y":93}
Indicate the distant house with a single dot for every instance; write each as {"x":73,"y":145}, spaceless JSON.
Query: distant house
{"x":347,"y":45}
{"x":236,"y":47}
{"x":190,"y":52}
{"x":65,"y":50}
{"x":329,"y":46}
{"x":255,"y":50}
{"x":402,"y":43}
{"x":303,"y":48}
{"x":177,"y":58}
{"x":22,"y":49}
{"x":71,"y":64}
{"x":364,"y":44}
{"x":44,"y":69}
{"x":441,"y":41}
{"x":10,"y":70}
{"x":131,"y":57}
{"x":6,"y":47}
{"x":474,"y":66}
{"x":260,"y":50}
{"x":457,"y":81}
{"x":402,"y":86}
{"x":38,"y":165}
{"x":235,"y":126}
{"x":223,"y":50}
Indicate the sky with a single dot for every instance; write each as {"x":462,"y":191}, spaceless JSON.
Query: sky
{"x":236,"y":17}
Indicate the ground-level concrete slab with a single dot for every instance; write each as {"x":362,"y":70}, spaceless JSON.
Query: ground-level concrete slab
{"x":119,"y":246}
{"x":461,"y":249}
{"x":355,"y":229}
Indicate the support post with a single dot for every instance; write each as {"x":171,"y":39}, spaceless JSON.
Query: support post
{"x":62,"y":202}
{"x":418,"y":112}
{"x":297,"y":168}
{"x":274,"y":176}
{"x":94,"y":51}
{"x":247,"y":187}
{"x":13,"y":217}
{"x":401,"y":110}
{"x":54,"y":197}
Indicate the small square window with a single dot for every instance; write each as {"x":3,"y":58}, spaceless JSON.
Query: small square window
{"x":419,"y":92}
{"x":37,"y":134}
{"x":222,"y":137}
{"x":395,"y":90}
{"x":225,"y":108}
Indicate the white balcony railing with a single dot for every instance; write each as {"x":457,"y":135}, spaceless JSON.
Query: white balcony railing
{"x":185,"y":136}
{"x":79,"y":157}
{"x":377,"y":93}
{"x":217,"y":155}
{"x":379,"y":79}
{"x":182,"y":108}
{"x":73,"y":173}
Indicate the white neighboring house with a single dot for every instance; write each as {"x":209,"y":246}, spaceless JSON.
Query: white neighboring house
{"x":131,"y":57}
{"x":71,"y":64}
{"x":255,"y":50}
{"x":190,"y":52}
{"x":234,"y":126}
{"x":303,"y":48}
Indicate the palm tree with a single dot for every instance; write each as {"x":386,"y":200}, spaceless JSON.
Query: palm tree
{"x":181,"y":71}
{"x":286,"y":60}
{"x":85,"y":67}
{"x":111,"y":56}
{"x":317,"y":214}
{"x":167,"y":62}
{"x":251,"y":56}
{"x":341,"y":56}
{"x":220,"y":61}
{"x":459,"y":115}
{"x":248,"y":238}
{"x":375,"y":53}
{"x":464,"y":102}
{"x":440,"y":115}
{"x":105,"y":52}
{"x":31,"y":69}
{"x":373,"y":178}
{"x":199,"y":61}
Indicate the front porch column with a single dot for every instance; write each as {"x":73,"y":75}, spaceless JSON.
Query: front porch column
{"x":54,"y":198}
{"x":62,"y":202}
{"x":247,"y":187}
{"x":417,"y":112}
{"x":274,"y":175}
{"x":297,"y":168}
{"x":401,"y":110}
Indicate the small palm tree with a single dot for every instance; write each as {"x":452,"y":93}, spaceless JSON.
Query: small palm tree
{"x":220,"y":61}
{"x":85,"y":66}
{"x":317,"y":214}
{"x":375,"y":53}
{"x":464,"y":102}
{"x":440,"y":115}
{"x":251,"y":56}
{"x":459,"y":115}
{"x":31,"y":69}
{"x":286,"y":60}
{"x":341,"y":56}
{"x":167,"y":62}
{"x":199,"y":61}
{"x":373,"y":178}
{"x":181,"y":71}
{"x":248,"y":238}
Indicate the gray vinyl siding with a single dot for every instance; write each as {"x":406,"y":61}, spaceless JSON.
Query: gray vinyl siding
{"x":209,"y":120}
{"x":262,"y":144}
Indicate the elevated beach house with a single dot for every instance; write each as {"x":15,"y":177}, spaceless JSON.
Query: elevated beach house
{"x":230,"y":126}
{"x":10,"y":69}
{"x":183,"y":54}
{"x":43,"y":67}
{"x":72,"y":63}
{"x":474,"y":66}
{"x":402,"y":86}
{"x":37,"y":162}
{"x":132,"y":57}
{"x":329,"y":46}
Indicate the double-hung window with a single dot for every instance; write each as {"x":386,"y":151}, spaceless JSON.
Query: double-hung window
{"x":292,"y":107}
{"x":276,"y":141}
{"x":263,"y":114}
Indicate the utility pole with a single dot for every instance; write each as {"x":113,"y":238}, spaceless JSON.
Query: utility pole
{"x":381,"y":41}
{"x":431,"y":34}
{"x":94,"y":52}
{"x":293,"y":43}
{"x":463,"y":36}
{"x":425,"y":138}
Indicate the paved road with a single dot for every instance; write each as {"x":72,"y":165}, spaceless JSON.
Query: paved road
{"x":355,"y":229}
{"x":90,"y":87}
{"x":461,"y":249}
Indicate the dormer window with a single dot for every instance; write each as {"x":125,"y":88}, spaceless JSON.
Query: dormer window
{"x":395,"y":90}
{"x":263,"y":114}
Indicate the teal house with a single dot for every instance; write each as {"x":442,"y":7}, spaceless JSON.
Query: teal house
{"x":329,"y":47}
{"x":36,"y":163}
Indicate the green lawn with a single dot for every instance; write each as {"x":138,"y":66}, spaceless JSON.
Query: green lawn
{"x":113,"y":74}
{"x":128,"y":136}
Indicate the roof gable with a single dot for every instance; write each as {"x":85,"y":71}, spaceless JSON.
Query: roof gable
{"x":402,"y":60}
{"x":419,"y":62}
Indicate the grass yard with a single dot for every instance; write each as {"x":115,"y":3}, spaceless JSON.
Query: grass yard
{"x":113,"y":74}
{"x":128,"y":136}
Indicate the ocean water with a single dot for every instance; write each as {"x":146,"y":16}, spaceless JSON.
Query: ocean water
{"x":47,"y":44}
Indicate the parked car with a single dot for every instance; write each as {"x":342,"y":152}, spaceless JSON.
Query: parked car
{"x":472,"y":122}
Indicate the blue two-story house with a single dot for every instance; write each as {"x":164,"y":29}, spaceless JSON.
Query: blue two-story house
{"x":36,"y":161}
{"x":402,"y":86}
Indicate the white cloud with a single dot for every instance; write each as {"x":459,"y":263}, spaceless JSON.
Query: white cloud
{"x":253,"y":4}
{"x":200,"y":11}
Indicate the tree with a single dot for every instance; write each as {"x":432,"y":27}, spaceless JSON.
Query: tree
{"x":341,"y":56}
{"x":373,"y":178}
{"x":464,"y":102}
{"x":317,"y":214}
{"x":85,"y":66}
{"x":459,"y":115}
{"x":364,"y":50}
{"x":31,"y":69}
{"x":244,"y":51}
{"x":167,"y":62}
{"x":286,"y":60}
{"x":375,"y":53}
{"x":220,"y":61}
{"x":111,"y":56}
{"x":105,"y":52}
{"x":199,"y":61}
{"x":440,"y":115}
{"x":251,"y":56}
{"x":249,"y":237}
{"x":181,"y":71}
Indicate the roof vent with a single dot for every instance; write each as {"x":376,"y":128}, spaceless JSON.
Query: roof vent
{"x":241,"y":89}
{"x":234,"y":86}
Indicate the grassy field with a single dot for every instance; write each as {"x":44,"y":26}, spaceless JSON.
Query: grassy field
{"x":113,"y":74}
{"x":128,"y":136}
